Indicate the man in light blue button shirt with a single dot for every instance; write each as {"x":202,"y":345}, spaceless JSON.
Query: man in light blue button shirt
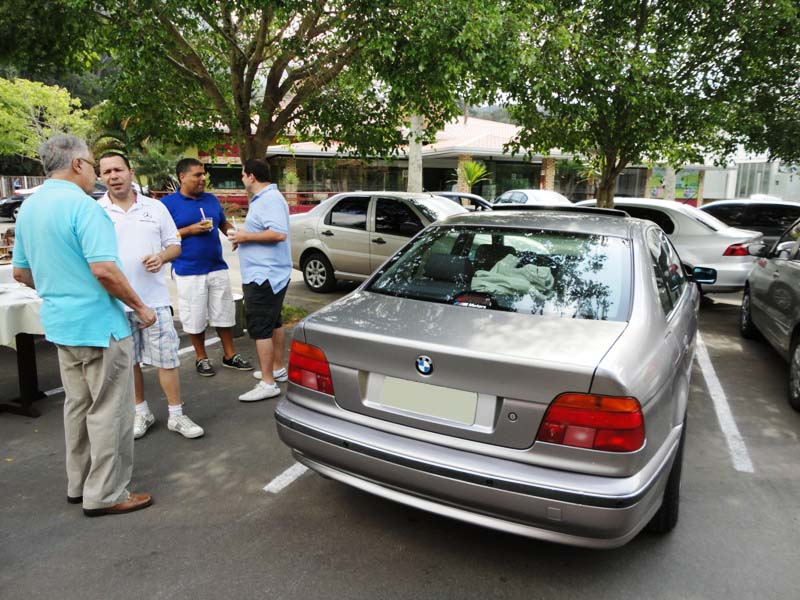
{"x":266,"y":263}
{"x":66,"y":248}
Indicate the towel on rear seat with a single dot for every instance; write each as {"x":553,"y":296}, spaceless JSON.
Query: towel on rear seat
{"x":507,"y":278}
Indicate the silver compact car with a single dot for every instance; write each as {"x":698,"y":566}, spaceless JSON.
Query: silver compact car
{"x":771,"y":302}
{"x":350,"y":235}
{"x":523,"y":370}
{"x":700,"y":238}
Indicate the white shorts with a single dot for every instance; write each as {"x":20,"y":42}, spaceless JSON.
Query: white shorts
{"x":156,"y":345}
{"x":205,"y":300}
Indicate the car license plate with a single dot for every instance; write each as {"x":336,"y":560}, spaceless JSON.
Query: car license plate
{"x":429,"y":400}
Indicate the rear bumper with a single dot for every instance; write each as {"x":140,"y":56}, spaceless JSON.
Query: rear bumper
{"x":537,"y":507}
{"x":731,"y":277}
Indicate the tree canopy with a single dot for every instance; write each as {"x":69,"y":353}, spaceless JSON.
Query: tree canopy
{"x":344,"y":70}
{"x":623,"y":81}
{"x":31,"y":112}
{"x":617,"y":81}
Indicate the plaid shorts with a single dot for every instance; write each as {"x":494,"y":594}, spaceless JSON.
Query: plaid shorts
{"x":156,"y":345}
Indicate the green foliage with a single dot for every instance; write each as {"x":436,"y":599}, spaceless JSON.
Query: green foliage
{"x":290,"y":178}
{"x":155,"y":162}
{"x":31,"y":112}
{"x":45,"y":38}
{"x":343,"y":70}
{"x":472,"y":172}
{"x":622,"y":81}
{"x":766,"y":114}
{"x":290,"y":314}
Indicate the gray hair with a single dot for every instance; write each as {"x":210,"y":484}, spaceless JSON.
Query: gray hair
{"x":59,"y":151}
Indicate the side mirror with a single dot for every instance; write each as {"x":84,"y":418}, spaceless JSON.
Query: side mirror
{"x":757,"y":249}
{"x":704,"y":275}
{"x":783,"y":250}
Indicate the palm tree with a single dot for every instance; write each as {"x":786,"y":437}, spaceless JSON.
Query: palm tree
{"x":472,"y":173}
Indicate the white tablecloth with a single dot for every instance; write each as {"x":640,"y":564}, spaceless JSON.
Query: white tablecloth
{"x":6,"y":273}
{"x":19,"y":312}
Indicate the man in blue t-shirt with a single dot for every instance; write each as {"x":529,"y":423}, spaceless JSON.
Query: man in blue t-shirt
{"x":201,"y":274}
{"x":66,"y":248}
{"x":266,"y":262}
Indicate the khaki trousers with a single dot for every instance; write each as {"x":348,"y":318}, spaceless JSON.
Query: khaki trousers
{"x":98,"y":421}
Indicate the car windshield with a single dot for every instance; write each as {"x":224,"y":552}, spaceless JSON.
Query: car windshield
{"x":536,"y":272}
{"x":436,"y":208}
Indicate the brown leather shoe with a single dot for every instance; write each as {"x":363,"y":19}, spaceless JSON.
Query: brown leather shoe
{"x":134,"y":502}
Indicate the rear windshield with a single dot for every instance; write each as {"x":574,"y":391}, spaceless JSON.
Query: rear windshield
{"x":710,"y":221}
{"x":535,"y":272}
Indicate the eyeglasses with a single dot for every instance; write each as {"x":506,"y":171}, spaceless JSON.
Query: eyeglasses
{"x":91,"y":163}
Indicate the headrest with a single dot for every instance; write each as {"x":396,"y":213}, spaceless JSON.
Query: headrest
{"x":446,"y":267}
{"x":492,"y":253}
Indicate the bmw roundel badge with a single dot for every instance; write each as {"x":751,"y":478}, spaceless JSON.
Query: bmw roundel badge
{"x":424,"y":364}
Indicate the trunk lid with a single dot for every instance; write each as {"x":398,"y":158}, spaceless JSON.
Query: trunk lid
{"x":492,"y":375}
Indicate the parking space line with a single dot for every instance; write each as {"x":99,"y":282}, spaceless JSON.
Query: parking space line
{"x":285,"y":478}
{"x":736,"y":445}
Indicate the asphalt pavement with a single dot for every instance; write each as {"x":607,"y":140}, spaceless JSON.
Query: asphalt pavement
{"x":214,"y":532}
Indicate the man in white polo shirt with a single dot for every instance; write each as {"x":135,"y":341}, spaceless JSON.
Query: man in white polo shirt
{"x":147,"y":239}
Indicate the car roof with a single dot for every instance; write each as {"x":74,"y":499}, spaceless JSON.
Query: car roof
{"x":750,"y":202}
{"x":552,"y":219}
{"x":460,"y":194}
{"x":405,"y":195}
{"x":650,"y":203}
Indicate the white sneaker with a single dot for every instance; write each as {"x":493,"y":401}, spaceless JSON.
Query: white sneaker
{"x":141,"y":423}
{"x":185,"y":426}
{"x":262,"y":391}
{"x":279,"y":376}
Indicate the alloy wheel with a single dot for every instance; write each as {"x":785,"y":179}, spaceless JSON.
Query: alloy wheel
{"x":315,"y":273}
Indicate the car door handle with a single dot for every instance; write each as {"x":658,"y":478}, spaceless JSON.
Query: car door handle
{"x":776,"y":275}
{"x":327,"y":232}
{"x":379,"y":241}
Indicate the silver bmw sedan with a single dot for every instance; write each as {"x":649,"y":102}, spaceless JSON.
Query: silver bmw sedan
{"x":523,"y":370}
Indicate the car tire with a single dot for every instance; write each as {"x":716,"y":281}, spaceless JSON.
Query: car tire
{"x":15,"y":213}
{"x":318,"y":273}
{"x":746,"y":327}
{"x":794,"y":376}
{"x":666,"y":518}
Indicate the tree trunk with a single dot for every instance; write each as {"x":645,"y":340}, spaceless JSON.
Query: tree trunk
{"x":606,"y":189}
{"x":415,"y":155}
{"x":669,"y":183}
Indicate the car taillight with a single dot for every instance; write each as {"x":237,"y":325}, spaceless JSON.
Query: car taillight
{"x":610,"y":423}
{"x":735,"y":250}
{"x":309,"y":367}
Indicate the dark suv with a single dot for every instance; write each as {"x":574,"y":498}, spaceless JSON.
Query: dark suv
{"x":770,"y":217}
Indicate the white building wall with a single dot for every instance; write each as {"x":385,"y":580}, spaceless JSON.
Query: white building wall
{"x":715,"y":184}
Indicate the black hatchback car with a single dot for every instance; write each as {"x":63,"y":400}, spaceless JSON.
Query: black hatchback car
{"x":9,"y":206}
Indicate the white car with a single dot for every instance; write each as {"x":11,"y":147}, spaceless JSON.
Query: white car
{"x":350,"y":235}
{"x":700,"y":238}
{"x":545,"y":197}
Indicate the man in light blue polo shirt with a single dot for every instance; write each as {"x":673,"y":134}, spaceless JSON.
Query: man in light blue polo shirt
{"x":66,"y":248}
{"x":266,"y":263}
